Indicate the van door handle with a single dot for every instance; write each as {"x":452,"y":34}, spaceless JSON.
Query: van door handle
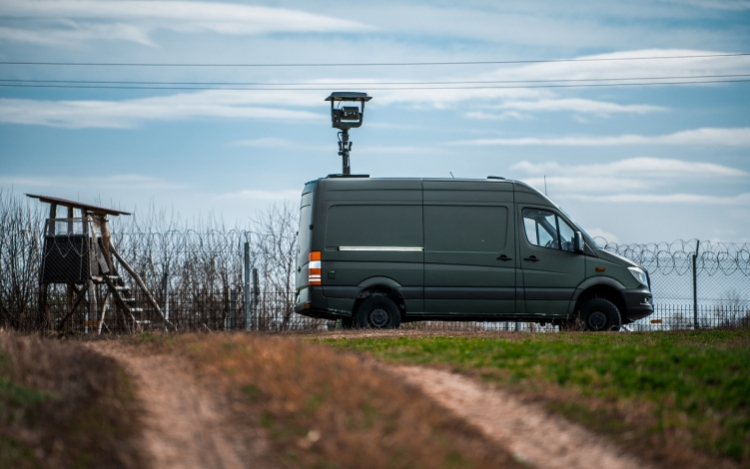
{"x":504,"y":258}
{"x":531,"y":259}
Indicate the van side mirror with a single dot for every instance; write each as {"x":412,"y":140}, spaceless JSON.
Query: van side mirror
{"x":578,"y":242}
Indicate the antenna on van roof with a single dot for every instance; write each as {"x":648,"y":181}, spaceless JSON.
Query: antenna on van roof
{"x":345,"y":118}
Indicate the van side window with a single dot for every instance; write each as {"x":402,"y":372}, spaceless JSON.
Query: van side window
{"x":374,"y":226}
{"x":545,"y":229}
{"x":465,"y":228}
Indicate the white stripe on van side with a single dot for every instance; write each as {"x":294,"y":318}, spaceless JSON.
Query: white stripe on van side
{"x":382,"y":248}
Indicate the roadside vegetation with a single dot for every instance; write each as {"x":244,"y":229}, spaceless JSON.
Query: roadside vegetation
{"x":63,"y":406}
{"x":677,"y":399}
{"x":322,"y":408}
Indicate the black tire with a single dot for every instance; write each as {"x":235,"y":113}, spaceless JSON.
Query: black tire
{"x":347,"y":322}
{"x":600,"y":314}
{"x":377,"y":312}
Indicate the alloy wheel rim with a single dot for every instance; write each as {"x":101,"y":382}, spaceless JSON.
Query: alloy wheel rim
{"x":379,"y":317}
{"x":597,"y":320}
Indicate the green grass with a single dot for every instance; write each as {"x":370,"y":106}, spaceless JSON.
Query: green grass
{"x":693,"y":385}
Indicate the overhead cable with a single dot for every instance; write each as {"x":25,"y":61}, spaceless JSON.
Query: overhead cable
{"x":372,"y":64}
{"x":362,"y":83}
{"x":376,"y":88}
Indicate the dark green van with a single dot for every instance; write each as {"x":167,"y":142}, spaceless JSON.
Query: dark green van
{"x":379,"y":252}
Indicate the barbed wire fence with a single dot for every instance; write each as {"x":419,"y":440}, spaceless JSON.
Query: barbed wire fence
{"x":696,"y":284}
{"x":210,"y":277}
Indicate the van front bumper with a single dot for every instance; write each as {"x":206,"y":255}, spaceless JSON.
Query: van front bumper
{"x":640,"y":303}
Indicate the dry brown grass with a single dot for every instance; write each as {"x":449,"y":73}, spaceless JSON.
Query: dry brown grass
{"x":323,"y":407}
{"x":62,"y":405}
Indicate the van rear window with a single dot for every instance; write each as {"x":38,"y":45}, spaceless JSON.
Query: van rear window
{"x":374,"y":226}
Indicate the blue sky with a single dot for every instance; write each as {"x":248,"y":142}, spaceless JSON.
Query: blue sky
{"x":631,"y":163}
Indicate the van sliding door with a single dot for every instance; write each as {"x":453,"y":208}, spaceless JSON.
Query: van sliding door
{"x":469,"y":249}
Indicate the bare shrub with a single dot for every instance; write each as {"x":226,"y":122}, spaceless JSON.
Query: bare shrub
{"x":275,"y":248}
{"x":20,"y":255}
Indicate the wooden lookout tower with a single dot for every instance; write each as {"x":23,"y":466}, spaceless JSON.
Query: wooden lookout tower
{"x":78,"y":252}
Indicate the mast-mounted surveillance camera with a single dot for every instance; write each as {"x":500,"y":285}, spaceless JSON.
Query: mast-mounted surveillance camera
{"x":345,"y":118}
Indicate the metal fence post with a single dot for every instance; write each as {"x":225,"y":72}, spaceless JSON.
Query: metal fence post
{"x":232,"y":309}
{"x":247,"y":285}
{"x":166,"y":293}
{"x":695,"y":285}
{"x":256,"y":293}
{"x":166,"y":296}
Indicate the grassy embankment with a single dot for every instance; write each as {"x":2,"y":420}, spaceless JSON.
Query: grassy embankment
{"x":325,"y":409}
{"x":62,"y":405}
{"x":678,"y":399}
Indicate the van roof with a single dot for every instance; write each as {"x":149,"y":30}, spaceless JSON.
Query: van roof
{"x":310,"y":185}
{"x":498,"y":179}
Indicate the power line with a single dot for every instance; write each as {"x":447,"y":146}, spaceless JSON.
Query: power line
{"x":361,"y":83}
{"x":373,"y":64}
{"x":193,"y":88}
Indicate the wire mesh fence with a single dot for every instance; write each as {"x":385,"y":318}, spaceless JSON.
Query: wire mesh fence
{"x":214,"y":278}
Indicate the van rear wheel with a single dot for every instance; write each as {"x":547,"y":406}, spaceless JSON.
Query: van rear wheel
{"x":600,"y":314}
{"x":377,"y":312}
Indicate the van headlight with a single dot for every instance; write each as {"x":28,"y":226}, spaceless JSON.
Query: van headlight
{"x":639,"y":275}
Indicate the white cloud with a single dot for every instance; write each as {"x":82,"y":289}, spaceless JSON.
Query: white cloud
{"x":579,"y":105}
{"x":519,"y":102}
{"x":610,"y":66}
{"x":642,"y":167}
{"x":266,"y":104}
{"x":732,"y":137}
{"x":265,"y":196}
{"x":279,"y":143}
{"x":265,"y":142}
{"x":75,"y":33}
{"x":404,"y":149}
{"x":481,"y":115}
{"x":558,"y":184}
{"x":448,"y":98}
{"x":512,"y":107}
{"x":634,"y":180}
{"x":81,"y":19}
{"x":741,"y":199}
{"x":130,"y":113}
{"x":606,"y":235}
{"x":134,"y":182}
{"x":551,"y":25}
{"x":732,"y":5}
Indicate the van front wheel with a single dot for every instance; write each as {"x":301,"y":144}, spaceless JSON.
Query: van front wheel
{"x":377,"y":312}
{"x":600,"y":314}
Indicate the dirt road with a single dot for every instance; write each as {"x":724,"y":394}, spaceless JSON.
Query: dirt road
{"x":186,"y":424}
{"x":190,"y":425}
{"x":529,"y":432}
